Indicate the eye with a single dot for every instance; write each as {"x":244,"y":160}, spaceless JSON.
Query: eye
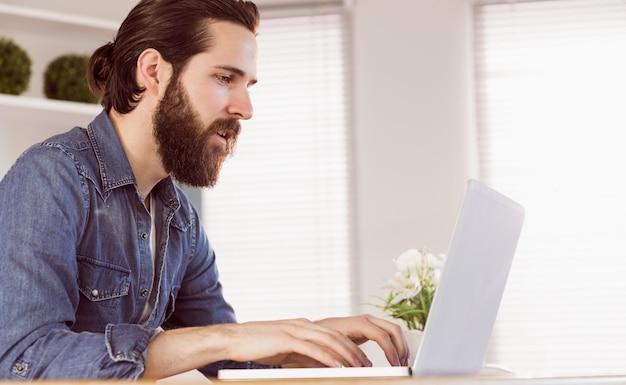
{"x":224,"y":79}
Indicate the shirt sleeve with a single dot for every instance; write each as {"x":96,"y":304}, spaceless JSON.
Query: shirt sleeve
{"x":42,"y":210}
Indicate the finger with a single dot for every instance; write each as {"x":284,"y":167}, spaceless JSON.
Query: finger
{"x":351,"y":352}
{"x":295,"y":360}
{"x":286,"y":342}
{"x":396,"y":340}
{"x":272,"y":342}
{"x":387,"y":335}
{"x":362,"y":328}
{"x":309,"y":354}
{"x":334,"y":342}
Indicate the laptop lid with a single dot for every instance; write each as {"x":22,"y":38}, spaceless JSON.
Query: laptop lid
{"x":466,"y":301}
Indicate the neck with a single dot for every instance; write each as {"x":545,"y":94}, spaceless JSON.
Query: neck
{"x":135,"y":133}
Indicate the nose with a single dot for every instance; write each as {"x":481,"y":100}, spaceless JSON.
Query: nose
{"x":241,"y":105}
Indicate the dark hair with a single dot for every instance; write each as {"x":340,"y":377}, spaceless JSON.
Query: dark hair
{"x":175,"y":28}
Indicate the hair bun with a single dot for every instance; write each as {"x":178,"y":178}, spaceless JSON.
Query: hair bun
{"x":100,"y":65}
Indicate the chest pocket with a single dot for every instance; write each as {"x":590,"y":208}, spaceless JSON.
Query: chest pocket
{"x":99,"y":281}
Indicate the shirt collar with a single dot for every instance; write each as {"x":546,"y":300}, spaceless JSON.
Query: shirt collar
{"x":114,"y":167}
{"x":115,"y":170}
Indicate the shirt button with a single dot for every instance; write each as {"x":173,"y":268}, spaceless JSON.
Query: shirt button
{"x":95,"y":292}
{"x":119,"y":355}
{"x":144,"y":236}
{"x":135,"y":354}
{"x":172,"y":202}
{"x":19,"y":369}
{"x":145,"y":292}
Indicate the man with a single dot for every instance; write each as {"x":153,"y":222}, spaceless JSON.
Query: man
{"x":106,"y":271}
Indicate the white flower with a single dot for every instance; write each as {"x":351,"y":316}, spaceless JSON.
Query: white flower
{"x":414,"y":285}
{"x":420,"y":262}
{"x":404,"y":287}
{"x":435,"y":261}
{"x":409,"y":261}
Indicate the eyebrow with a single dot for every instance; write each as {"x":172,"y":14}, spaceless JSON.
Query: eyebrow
{"x":237,"y":71}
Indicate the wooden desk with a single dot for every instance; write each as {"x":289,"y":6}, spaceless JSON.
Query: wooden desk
{"x":592,"y":380}
{"x":595,"y":380}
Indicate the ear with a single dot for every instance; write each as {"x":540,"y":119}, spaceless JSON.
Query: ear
{"x":153,"y":72}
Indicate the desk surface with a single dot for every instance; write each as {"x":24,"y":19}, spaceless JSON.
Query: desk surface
{"x":592,"y":380}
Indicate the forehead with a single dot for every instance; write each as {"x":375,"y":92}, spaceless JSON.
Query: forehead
{"x":232,"y":45}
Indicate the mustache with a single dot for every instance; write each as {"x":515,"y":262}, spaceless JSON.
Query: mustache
{"x":229,"y":126}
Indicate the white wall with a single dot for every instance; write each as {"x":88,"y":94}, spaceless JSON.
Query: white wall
{"x":414,"y":143}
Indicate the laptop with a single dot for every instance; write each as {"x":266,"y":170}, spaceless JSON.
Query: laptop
{"x":466,"y":302}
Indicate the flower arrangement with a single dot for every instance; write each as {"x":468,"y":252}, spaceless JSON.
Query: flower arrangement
{"x":413,"y":288}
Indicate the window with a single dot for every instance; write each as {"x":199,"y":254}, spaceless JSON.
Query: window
{"x":279,"y":218}
{"x":551,"y":93}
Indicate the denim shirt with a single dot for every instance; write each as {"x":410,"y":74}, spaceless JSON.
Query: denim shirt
{"x":76,"y":267}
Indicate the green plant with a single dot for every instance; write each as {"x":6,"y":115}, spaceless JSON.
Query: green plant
{"x":15,"y":67}
{"x":65,"y":78}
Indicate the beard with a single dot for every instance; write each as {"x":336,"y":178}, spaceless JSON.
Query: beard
{"x":184,"y":142}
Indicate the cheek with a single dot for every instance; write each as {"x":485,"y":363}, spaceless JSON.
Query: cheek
{"x":208,"y":103}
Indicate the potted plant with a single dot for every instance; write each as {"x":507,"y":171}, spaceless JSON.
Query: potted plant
{"x":65,"y":78}
{"x":411,"y":292}
{"x":15,"y":67}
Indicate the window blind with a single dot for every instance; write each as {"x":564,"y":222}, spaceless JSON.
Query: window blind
{"x":279,"y":218}
{"x":551,"y":97}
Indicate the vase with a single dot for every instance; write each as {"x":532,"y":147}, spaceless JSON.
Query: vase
{"x":413,"y":339}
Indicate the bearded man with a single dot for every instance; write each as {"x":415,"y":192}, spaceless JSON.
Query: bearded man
{"x":106,"y":270}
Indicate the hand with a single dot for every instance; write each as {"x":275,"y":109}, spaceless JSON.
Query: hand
{"x":297,"y":342}
{"x":330,"y":342}
{"x":388,"y":335}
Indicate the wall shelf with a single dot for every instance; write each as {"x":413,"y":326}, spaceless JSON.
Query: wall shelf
{"x":46,"y":34}
{"x":58,"y":17}
{"x":45,"y":111}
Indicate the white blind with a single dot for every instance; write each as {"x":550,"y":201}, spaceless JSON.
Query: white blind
{"x":279,"y":219}
{"x":551,"y":93}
